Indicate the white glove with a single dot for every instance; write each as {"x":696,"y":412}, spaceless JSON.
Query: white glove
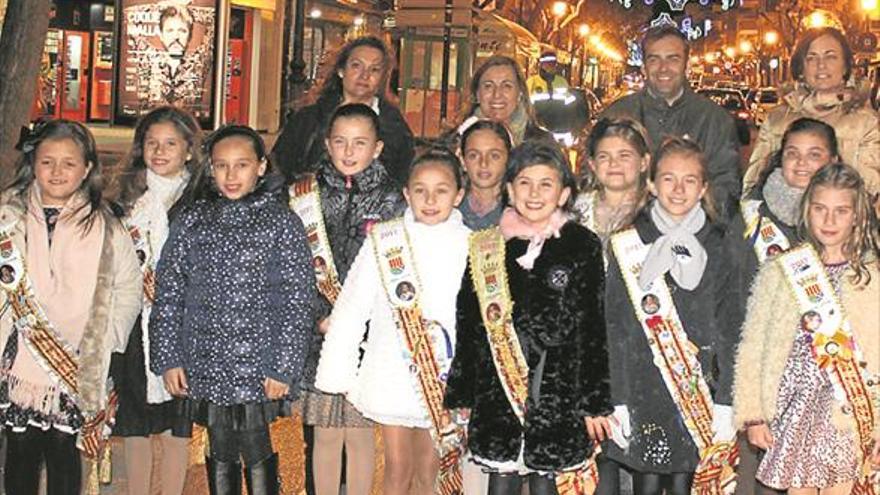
{"x":722,"y":424}
{"x":620,"y":427}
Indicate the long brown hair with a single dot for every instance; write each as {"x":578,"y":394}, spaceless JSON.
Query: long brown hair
{"x":864,"y":242}
{"x":130,"y":182}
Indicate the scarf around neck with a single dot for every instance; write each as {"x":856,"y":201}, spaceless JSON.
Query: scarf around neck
{"x":64,"y":277}
{"x":513,"y":225}
{"x":677,"y":250}
{"x":783,"y":200}
{"x":150,"y":215}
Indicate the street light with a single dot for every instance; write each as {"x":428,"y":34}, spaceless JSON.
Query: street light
{"x":583,"y":30}
{"x":869,"y":5}
{"x":817,"y":19}
{"x":772,"y":37}
{"x":559,"y":8}
{"x":729,"y":51}
{"x":745,"y":46}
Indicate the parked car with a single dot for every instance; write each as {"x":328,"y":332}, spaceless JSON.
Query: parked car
{"x":761,"y":101}
{"x":733,"y":101}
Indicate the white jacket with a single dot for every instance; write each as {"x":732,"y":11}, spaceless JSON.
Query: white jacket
{"x":383,"y":388}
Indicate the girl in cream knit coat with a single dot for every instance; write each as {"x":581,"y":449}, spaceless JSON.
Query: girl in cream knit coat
{"x":781,"y":397}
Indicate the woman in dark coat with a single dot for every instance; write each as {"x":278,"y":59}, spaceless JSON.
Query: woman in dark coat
{"x":555,"y":274}
{"x":360,"y":75}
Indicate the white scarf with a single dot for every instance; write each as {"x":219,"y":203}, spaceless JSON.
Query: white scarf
{"x":150,"y":215}
{"x":677,"y":250}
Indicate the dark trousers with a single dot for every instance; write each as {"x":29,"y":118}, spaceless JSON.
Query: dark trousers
{"x":609,"y":476}
{"x":654,"y":484}
{"x":506,"y":484}
{"x":309,"y":446}
{"x":251,"y":446}
{"x":25,"y":453}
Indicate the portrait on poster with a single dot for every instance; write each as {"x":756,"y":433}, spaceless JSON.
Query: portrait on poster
{"x":166,"y":56}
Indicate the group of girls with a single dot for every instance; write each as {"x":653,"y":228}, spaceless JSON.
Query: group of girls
{"x":485,"y":314}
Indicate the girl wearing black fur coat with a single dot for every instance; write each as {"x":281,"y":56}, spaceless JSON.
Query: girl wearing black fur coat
{"x":556,"y":278}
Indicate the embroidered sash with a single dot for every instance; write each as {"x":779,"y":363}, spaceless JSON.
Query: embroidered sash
{"x":769,"y":240}
{"x":56,"y":356}
{"x":585,"y":208}
{"x":141,"y":241}
{"x":835,"y":351}
{"x":489,"y":275}
{"x":403,"y":288}
{"x":305,"y":201}
{"x":676,"y":359}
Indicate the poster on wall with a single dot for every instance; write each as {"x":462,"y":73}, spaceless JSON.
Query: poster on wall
{"x":166,"y":57}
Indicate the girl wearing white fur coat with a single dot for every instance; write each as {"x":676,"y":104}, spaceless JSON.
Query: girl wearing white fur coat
{"x":384,"y":388}
{"x":782,"y":398}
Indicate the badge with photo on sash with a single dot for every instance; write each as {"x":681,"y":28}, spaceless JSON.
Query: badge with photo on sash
{"x":11,"y":264}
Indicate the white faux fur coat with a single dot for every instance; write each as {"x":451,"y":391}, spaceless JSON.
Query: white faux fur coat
{"x":769,"y":333}
{"x":383,"y":388}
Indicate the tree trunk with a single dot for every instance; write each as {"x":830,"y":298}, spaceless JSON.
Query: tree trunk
{"x":21,"y":49}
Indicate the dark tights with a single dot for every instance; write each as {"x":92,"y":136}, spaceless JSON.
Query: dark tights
{"x":27,"y":450}
{"x":654,"y":484}
{"x":506,"y":484}
{"x":609,"y":476}
{"x":252,"y":446}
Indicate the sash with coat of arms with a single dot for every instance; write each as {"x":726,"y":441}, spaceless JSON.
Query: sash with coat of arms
{"x":675,"y":357}
{"x":836,"y":353}
{"x":767,"y":238}
{"x":305,"y":201}
{"x":489,"y":275}
{"x":402,"y":286}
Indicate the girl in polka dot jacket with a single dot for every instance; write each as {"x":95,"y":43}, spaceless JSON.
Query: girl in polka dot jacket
{"x":232,"y":316}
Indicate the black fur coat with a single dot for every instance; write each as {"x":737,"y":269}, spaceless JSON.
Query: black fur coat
{"x":557,"y":313}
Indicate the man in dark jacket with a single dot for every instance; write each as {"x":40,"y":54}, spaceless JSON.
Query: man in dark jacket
{"x":667,"y":106}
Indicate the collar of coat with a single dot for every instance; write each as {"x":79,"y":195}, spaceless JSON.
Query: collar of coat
{"x":801,"y":97}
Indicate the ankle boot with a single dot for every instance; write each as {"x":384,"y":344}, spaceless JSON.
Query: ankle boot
{"x":262,"y":478}
{"x":224,"y":478}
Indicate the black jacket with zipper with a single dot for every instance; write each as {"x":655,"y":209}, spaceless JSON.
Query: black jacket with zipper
{"x":350,"y":206}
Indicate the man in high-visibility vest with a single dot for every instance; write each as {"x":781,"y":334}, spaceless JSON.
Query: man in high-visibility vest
{"x":546,"y":83}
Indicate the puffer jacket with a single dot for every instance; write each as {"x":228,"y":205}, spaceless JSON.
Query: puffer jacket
{"x":856,"y":124}
{"x":350,"y":206}
{"x":234,"y":297}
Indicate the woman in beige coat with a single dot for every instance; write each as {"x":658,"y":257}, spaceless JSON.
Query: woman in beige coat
{"x":783,"y":399}
{"x":822,"y":66}
{"x":70,"y":290}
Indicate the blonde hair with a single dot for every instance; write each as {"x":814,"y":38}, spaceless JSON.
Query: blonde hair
{"x":863,"y":244}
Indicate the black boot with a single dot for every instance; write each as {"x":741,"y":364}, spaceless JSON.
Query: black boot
{"x":224,"y":478}
{"x":262,"y":477}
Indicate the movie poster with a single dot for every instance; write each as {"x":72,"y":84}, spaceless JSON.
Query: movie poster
{"x":166,"y":57}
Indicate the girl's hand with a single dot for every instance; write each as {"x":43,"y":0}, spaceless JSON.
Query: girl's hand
{"x":461,"y":416}
{"x":323,"y":326}
{"x":598,"y":428}
{"x":274,"y":389}
{"x":759,"y":435}
{"x":175,"y":382}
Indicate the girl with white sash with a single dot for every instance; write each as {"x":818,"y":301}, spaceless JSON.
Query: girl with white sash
{"x":417,"y":263}
{"x":531,"y":368}
{"x":615,"y":185}
{"x":71,"y":292}
{"x":807,"y":386}
{"x":767,"y":224}
{"x":674,"y":307}
{"x":165,"y":153}
{"x":615,"y":189}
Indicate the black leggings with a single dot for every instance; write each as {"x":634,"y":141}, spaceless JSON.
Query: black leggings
{"x":609,"y":476}
{"x":654,"y":484}
{"x":506,"y":484}
{"x":252,"y":446}
{"x":27,"y":450}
